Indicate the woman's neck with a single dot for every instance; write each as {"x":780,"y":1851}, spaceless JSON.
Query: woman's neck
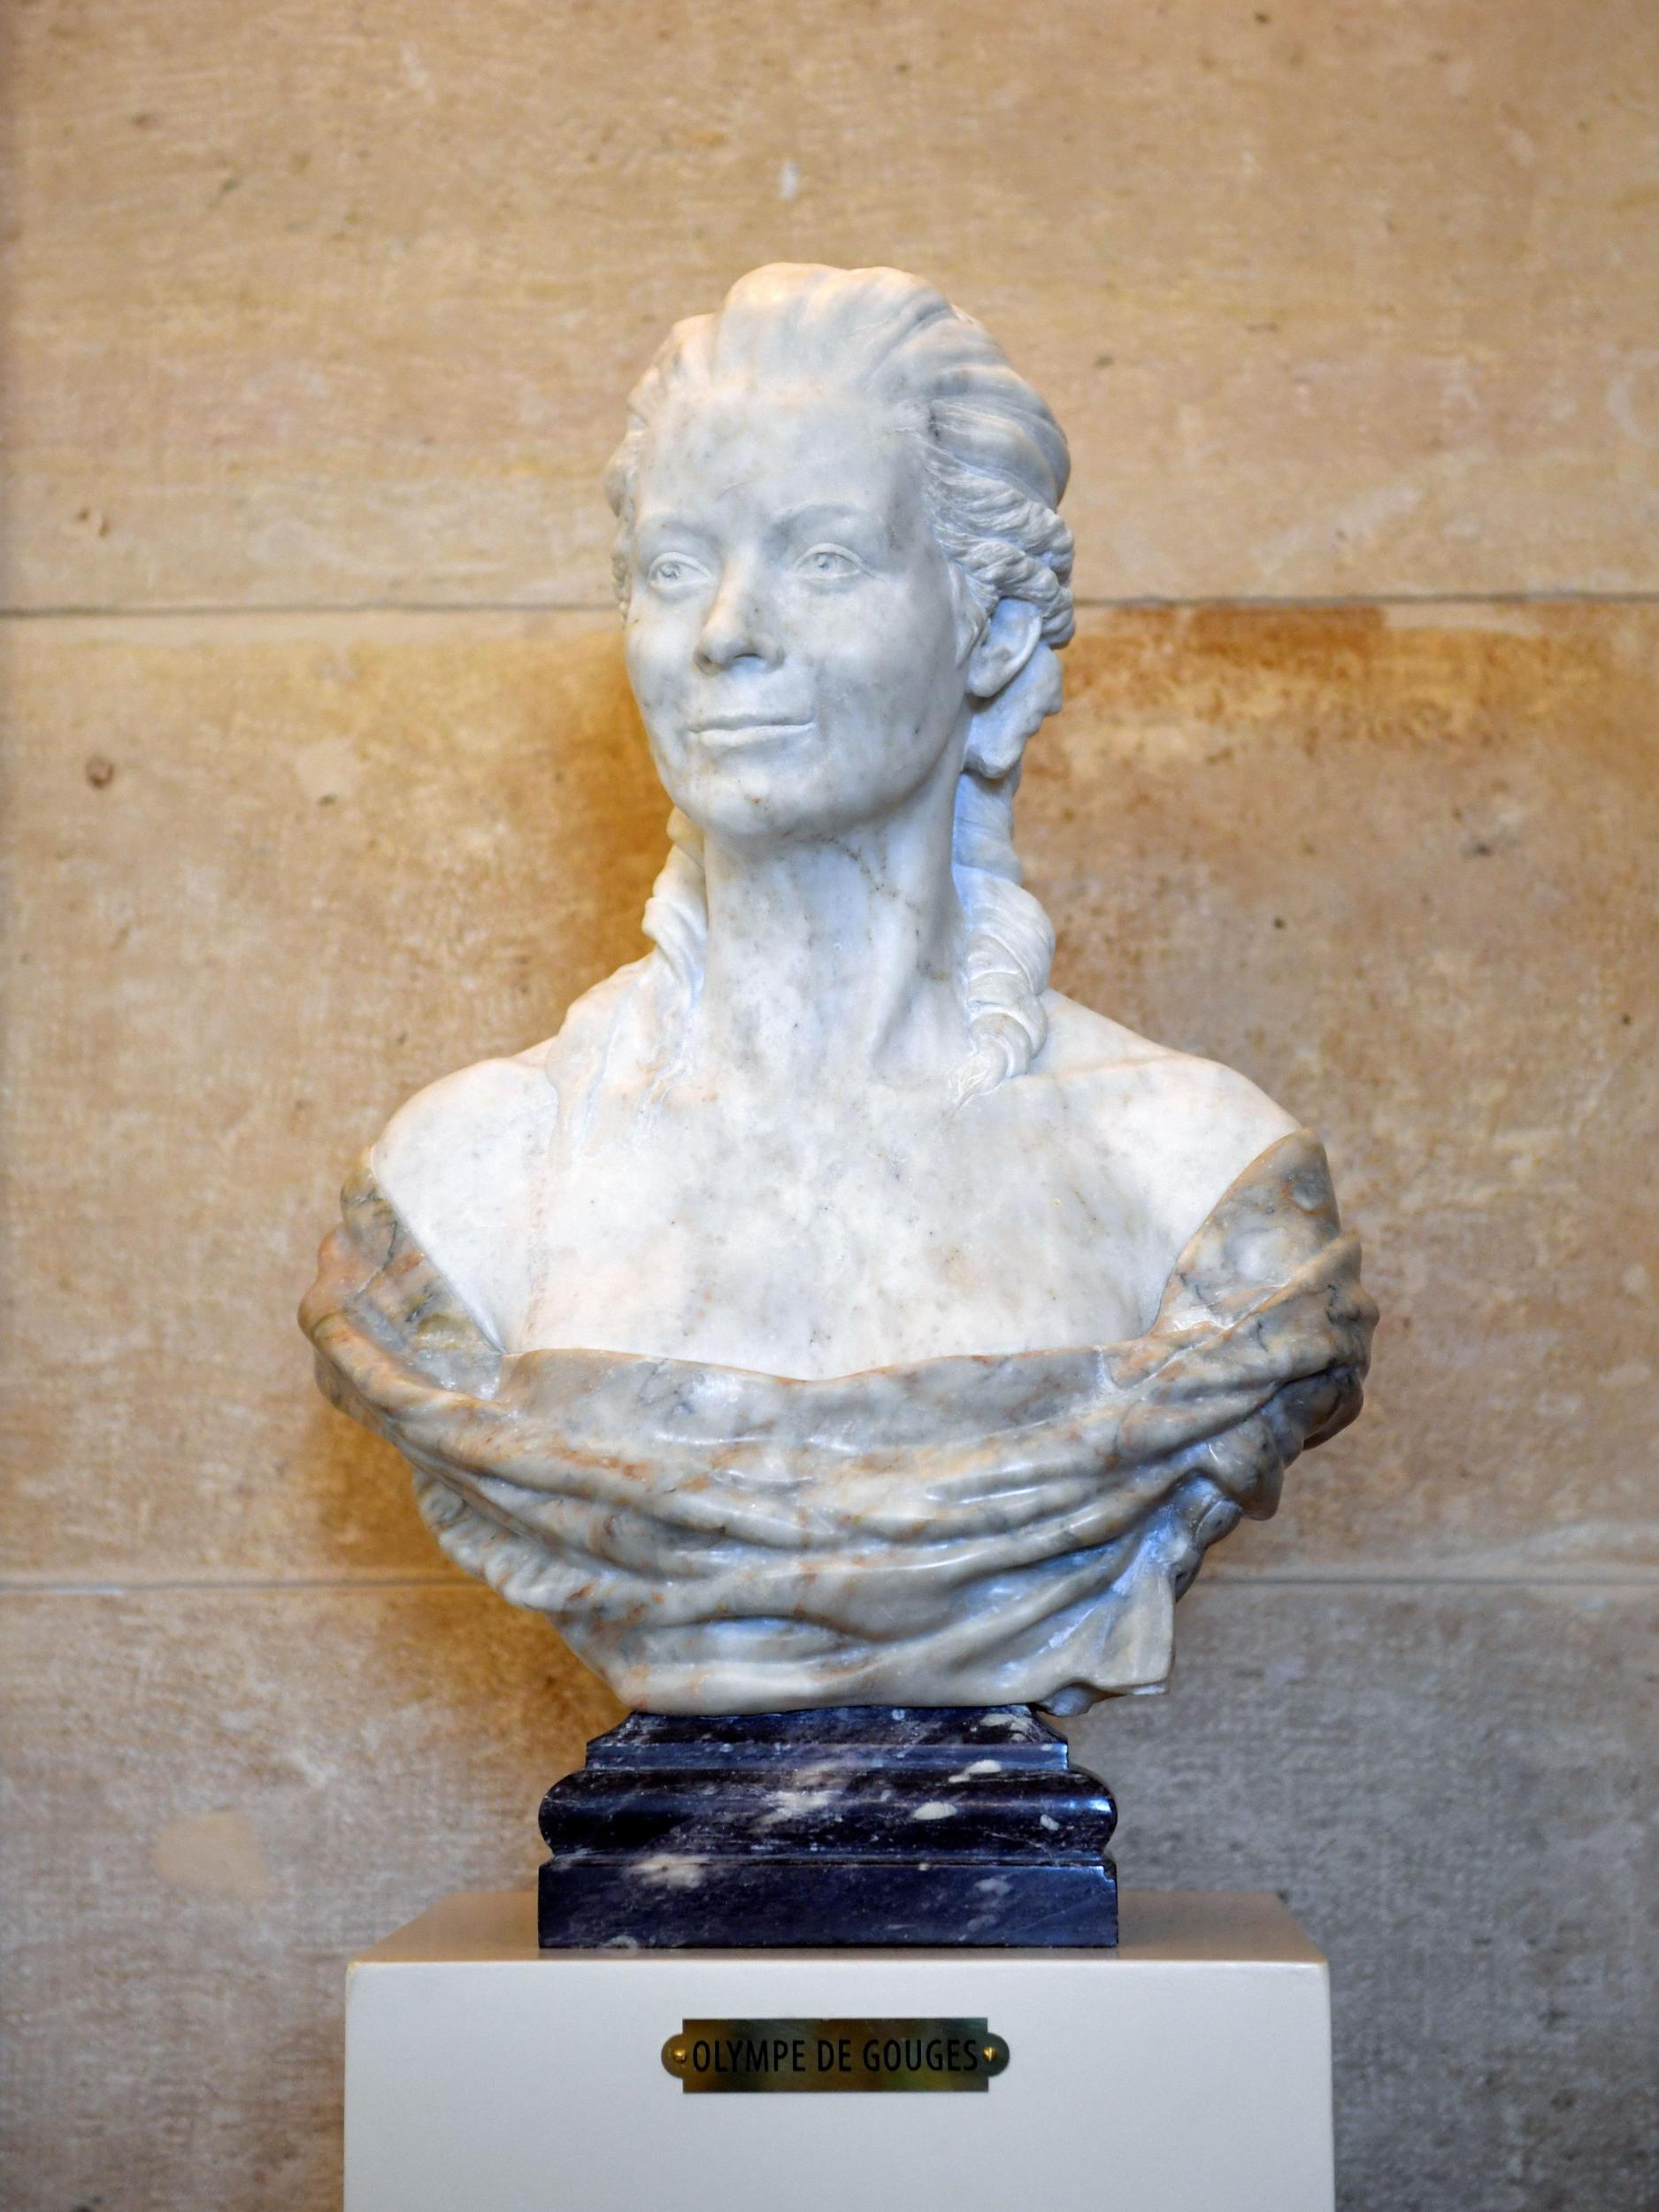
{"x":833,"y":959}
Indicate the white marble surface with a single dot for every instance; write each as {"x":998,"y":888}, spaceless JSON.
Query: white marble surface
{"x":1188,"y":2071}
{"x":573,"y":1200}
{"x":966,"y":1531}
{"x":832,"y":1313}
{"x":836,"y":1121}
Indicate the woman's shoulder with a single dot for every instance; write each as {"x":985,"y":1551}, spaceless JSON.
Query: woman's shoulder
{"x":465,"y":1112}
{"x":458,"y":1159}
{"x":1185,"y":1127}
{"x":1091,"y":1051}
{"x":452,"y":1129}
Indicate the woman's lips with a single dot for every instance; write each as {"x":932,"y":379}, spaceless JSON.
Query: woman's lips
{"x":724,"y":733}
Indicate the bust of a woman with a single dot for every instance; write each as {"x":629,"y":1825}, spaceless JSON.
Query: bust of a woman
{"x":833,"y":1156}
{"x":838,"y":1119}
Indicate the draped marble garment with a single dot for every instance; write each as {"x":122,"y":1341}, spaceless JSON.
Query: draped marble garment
{"x":965,"y":1531}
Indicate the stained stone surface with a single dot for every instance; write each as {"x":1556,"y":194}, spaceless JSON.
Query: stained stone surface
{"x":841,"y":1825}
{"x":1334,"y":298}
{"x":202,"y":943}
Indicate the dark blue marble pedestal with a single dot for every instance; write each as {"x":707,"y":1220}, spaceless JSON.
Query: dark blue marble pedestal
{"x":865,"y":1824}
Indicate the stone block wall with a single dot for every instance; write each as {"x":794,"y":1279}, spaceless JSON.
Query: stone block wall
{"x":323,"y":778}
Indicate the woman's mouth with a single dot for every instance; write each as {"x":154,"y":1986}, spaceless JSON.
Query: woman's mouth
{"x":729,"y":732}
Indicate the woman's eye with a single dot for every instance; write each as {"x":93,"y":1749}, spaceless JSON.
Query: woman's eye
{"x":669,"y":570}
{"x":829,"y":563}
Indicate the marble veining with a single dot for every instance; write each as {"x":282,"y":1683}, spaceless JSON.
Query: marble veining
{"x":868,"y":1824}
{"x":1012,"y":1528}
{"x":833,"y":1312}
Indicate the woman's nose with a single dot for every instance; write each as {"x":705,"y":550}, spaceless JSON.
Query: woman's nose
{"x":738,"y":627}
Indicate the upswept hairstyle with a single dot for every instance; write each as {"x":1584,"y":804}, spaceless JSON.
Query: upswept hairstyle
{"x":995,"y":467}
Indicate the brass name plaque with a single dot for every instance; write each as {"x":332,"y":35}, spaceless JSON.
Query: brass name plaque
{"x":753,"y":2057}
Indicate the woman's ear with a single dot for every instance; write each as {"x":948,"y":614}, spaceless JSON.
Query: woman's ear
{"x":999,"y":727}
{"x":1006,"y":643}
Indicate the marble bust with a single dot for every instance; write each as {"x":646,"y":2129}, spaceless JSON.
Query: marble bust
{"x":832,"y":1312}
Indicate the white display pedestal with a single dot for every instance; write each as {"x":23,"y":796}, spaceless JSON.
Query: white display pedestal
{"x":1187,"y":2071}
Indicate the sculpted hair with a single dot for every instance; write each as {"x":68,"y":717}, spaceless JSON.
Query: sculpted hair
{"x":995,"y":469}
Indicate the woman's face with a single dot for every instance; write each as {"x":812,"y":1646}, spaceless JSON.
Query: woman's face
{"x":793,"y":637}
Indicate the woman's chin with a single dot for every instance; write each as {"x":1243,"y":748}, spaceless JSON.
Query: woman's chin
{"x":775,"y":795}
{"x":798,"y":786}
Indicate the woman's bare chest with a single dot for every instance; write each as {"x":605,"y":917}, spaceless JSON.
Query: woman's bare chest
{"x":818,"y":1244}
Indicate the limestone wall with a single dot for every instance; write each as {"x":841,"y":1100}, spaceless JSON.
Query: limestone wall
{"x":323,"y":778}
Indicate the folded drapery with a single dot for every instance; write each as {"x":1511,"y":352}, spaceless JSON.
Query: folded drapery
{"x":1013,"y":1528}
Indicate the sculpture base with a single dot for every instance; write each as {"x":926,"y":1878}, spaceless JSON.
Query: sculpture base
{"x":851,"y":1824}
{"x":1188,"y":2071}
